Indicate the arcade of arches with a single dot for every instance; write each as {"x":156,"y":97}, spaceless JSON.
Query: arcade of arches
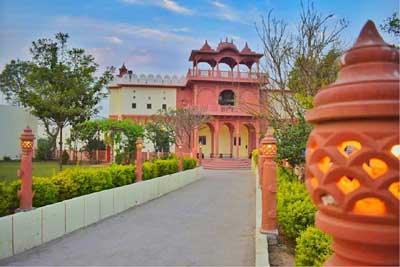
{"x":228,"y":138}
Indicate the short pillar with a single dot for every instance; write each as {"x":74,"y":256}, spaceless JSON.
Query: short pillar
{"x":139,"y":159}
{"x":353,"y":152}
{"x":25,"y":172}
{"x":268,"y":185}
{"x":200,"y":154}
{"x":180,"y":158}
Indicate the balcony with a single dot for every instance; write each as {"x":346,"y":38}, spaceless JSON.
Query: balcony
{"x":223,"y":110}
{"x":219,"y":75}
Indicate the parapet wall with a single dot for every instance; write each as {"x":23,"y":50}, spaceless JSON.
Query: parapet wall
{"x":149,"y":79}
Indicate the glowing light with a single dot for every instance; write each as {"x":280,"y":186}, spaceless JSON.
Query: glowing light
{"x":347,"y":148}
{"x":314,"y":182}
{"x":347,"y":185}
{"x":370,"y":206}
{"x":324,"y":164}
{"x":375,"y":167}
{"x":394,"y":188}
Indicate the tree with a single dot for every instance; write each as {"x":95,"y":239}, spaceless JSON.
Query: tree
{"x":293,"y":61}
{"x":121,"y":135}
{"x":181,"y":122}
{"x":158,"y":136}
{"x":44,"y":149}
{"x":391,"y":25}
{"x":58,"y":85}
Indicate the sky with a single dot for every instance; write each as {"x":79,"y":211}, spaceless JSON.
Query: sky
{"x":156,"y":36}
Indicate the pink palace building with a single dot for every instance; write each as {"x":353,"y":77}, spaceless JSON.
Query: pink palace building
{"x":233,"y":132}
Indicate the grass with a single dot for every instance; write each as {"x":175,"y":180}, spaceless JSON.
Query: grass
{"x":8,"y":169}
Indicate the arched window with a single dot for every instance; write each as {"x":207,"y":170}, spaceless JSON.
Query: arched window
{"x":226,"y":98}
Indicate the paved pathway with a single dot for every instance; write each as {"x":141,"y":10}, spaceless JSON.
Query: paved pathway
{"x":210,"y":222}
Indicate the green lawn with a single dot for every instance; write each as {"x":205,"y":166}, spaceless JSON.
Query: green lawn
{"x":8,"y":170}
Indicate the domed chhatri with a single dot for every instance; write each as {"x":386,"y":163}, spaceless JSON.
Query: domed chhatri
{"x":353,"y":154}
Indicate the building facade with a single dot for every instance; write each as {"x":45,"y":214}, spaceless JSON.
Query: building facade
{"x":225,"y":95}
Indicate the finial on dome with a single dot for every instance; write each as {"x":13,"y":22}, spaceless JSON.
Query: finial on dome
{"x":226,"y":40}
{"x":369,"y":35}
{"x":123,"y":70}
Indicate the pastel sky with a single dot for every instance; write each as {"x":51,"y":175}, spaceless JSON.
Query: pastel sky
{"x":156,"y":36}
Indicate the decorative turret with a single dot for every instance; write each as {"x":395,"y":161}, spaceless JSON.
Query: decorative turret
{"x":246,"y":50}
{"x":123,"y":70}
{"x":206,"y":47}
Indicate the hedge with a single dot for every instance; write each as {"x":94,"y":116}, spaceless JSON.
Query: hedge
{"x":189,"y":163}
{"x":294,"y":206}
{"x":79,"y":181}
{"x":313,"y":247}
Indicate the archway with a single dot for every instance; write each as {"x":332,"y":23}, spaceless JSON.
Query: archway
{"x":206,"y":139}
{"x":225,"y":140}
{"x":226,"y":98}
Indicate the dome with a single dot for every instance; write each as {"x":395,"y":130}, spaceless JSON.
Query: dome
{"x":227,"y":46}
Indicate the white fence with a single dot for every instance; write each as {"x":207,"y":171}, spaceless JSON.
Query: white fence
{"x":25,"y":230}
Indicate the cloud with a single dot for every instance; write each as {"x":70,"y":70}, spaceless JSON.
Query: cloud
{"x":121,"y":29}
{"x":170,"y":5}
{"x":183,"y":29}
{"x":225,"y":12}
{"x":113,"y":40}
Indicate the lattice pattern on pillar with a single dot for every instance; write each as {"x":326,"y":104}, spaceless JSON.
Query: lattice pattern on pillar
{"x":350,"y":173}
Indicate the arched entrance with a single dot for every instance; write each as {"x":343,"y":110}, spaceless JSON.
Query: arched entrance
{"x":206,"y":139}
{"x":225,"y":140}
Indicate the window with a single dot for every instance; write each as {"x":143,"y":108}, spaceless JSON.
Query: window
{"x":226,"y":98}
{"x":149,"y":97}
{"x":164,"y":98}
{"x":164,"y":106}
{"x":133,"y":105}
{"x":134,"y":97}
{"x":202,"y":140}
{"x":148,"y":106}
{"x":234,"y":141}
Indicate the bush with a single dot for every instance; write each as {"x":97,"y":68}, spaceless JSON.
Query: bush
{"x":254,"y":156}
{"x":313,"y":247}
{"x":149,"y":170}
{"x":90,"y":180}
{"x":6,"y":158}
{"x":4,"y":199}
{"x":189,"y":163}
{"x":294,"y":206}
{"x":44,"y":149}
{"x":45,"y":191}
{"x":122,"y":175}
{"x":65,"y":157}
{"x":165,"y":167}
{"x":67,"y":187}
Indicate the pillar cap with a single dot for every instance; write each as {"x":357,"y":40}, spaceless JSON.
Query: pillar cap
{"x":367,"y":84}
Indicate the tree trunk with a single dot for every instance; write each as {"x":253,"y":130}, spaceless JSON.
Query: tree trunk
{"x":61,"y":152}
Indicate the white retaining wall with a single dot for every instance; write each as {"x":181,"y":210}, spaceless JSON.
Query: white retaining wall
{"x":25,"y":230}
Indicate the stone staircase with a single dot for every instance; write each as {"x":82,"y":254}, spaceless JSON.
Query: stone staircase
{"x":226,"y":164}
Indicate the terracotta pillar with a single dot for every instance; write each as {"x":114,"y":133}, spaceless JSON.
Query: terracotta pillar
{"x":180,"y":158}
{"x":231,"y":135}
{"x":25,"y":172}
{"x":216,"y":140}
{"x":237,"y":134}
{"x":268,"y":185}
{"x":139,"y":160}
{"x":353,"y":152}
{"x":212,"y":143}
{"x":195,"y":141}
{"x":200,"y":154}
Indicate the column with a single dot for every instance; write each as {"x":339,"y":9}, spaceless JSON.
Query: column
{"x":139,"y":161}
{"x":212,"y":142}
{"x":25,"y":172}
{"x":195,"y":142}
{"x":237,"y":134}
{"x":216,"y":139}
{"x":231,"y":141}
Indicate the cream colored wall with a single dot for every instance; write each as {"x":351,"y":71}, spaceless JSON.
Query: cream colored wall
{"x":207,"y":149}
{"x":224,"y":140}
{"x":244,"y":137}
{"x":121,"y":100}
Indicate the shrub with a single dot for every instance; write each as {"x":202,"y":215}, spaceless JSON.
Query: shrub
{"x":189,"y":163}
{"x":45,"y":191}
{"x":91,"y":180}
{"x":6,"y":158}
{"x":254,"y":155}
{"x":149,"y":170}
{"x":67,"y":187}
{"x":64,"y":157}
{"x":9,"y":200}
{"x":294,"y":206}
{"x":122,"y":175}
{"x":44,"y":149}
{"x":313,"y":247}
{"x":165,"y":167}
